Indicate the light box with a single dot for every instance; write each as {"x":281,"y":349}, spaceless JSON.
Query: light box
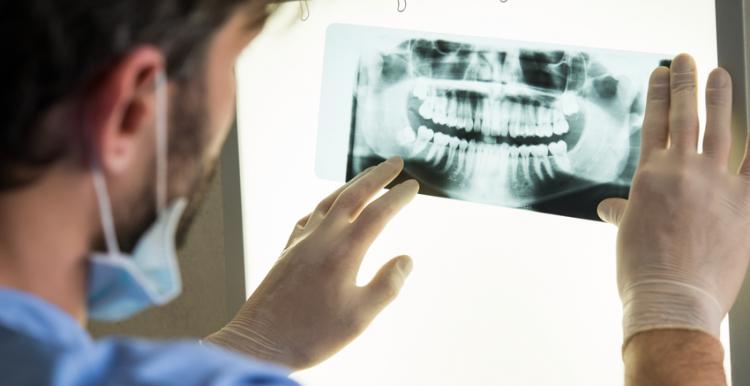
{"x":498,"y":295}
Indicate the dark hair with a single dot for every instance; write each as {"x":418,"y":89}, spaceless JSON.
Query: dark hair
{"x":53,"y":48}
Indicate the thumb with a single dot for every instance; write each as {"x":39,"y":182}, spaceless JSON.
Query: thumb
{"x":387,"y":283}
{"x":611,"y":210}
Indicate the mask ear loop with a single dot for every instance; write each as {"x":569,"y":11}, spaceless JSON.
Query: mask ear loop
{"x":161,"y":141}
{"x":105,"y":207}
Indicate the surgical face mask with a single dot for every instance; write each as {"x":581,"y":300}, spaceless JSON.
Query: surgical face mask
{"x":121,"y":285}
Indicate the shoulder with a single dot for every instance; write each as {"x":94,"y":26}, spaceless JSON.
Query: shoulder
{"x":27,"y":361}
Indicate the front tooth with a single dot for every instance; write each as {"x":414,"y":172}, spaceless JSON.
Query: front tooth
{"x":476,"y":112}
{"x":487,"y":108}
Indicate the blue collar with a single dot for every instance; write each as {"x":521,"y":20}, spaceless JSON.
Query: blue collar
{"x":29,"y":315}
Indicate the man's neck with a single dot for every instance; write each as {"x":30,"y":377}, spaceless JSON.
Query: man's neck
{"x":44,"y":241}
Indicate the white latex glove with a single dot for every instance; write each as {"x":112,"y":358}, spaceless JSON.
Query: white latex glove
{"x":309,"y":306}
{"x":684,"y":236}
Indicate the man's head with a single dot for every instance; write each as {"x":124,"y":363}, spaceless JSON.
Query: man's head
{"x":81,"y":83}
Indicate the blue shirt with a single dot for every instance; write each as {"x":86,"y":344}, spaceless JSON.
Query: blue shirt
{"x":42,"y":345}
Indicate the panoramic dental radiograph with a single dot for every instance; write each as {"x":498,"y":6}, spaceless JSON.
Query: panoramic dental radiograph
{"x":552,"y":130}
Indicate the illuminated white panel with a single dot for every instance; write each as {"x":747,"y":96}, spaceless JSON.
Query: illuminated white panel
{"x":497,"y":296}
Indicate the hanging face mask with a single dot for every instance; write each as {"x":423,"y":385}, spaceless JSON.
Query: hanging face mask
{"x":122,"y":285}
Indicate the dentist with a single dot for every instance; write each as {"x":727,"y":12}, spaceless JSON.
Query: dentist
{"x":113,"y":115}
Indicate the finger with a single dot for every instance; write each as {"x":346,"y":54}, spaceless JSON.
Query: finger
{"x":655,"y":132}
{"x":298,"y":228}
{"x":717,"y":142}
{"x":376,"y":216}
{"x":353,"y":199}
{"x":321,"y":210}
{"x":683,"y":112}
{"x":612,"y":210}
{"x":386,"y":284}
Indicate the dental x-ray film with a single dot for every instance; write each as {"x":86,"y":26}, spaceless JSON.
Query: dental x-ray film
{"x":545,"y":127}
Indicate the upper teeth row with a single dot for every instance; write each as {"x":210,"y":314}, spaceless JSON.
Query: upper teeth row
{"x":425,"y":134}
{"x":499,"y":119}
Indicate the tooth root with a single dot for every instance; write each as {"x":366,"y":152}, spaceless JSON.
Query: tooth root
{"x":525,"y":160}
{"x":452,"y":150}
{"x":471,"y":155}
{"x":513,"y":170}
{"x":538,"y":168}
{"x":548,"y":166}
{"x":463,"y":147}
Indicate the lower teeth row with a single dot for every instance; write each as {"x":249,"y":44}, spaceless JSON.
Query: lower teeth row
{"x":497,"y":161}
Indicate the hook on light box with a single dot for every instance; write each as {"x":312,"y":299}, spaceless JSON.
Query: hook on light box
{"x":304,"y":10}
{"x":401,"y":5}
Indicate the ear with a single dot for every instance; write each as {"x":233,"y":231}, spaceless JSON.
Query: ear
{"x":118,"y":109}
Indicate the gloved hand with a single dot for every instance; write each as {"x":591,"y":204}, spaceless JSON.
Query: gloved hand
{"x":309,"y":307}
{"x":684,"y":236}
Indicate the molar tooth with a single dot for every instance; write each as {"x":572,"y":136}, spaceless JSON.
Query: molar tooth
{"x":515,"y":120}
{"x":569,"y":103}
{"x":453,"y":143}
{"x":530,"y":120}
{"x":547,"y":129}
{"x":540,"y":153}
{"x":427,"y":108}
{"x":558,"y":148}
{"x":406,"y":136}
{"x":441,"y":142}
{"x":420,"y":90}
{"x":424,"y":135}
{"x":441,"y":109}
